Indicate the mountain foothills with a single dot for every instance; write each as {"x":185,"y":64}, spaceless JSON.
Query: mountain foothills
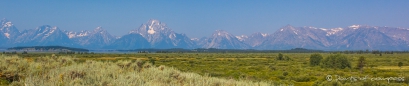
{"x":155,"y":34}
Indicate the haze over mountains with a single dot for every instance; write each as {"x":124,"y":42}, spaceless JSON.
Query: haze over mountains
{"x":155,"y":34}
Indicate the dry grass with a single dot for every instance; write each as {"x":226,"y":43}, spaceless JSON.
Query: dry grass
{"x":64,"y":71}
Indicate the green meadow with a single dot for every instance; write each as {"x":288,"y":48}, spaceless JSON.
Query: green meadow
{"x":204,"y":69}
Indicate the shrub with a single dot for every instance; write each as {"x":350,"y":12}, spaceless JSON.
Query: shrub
{"x":285,"y":73}
{"x":400,"y":64}
{"x":336,"y":61}
{"x":361,"y":63}
{"x":280,"y":56}
{"x":315,"y":59}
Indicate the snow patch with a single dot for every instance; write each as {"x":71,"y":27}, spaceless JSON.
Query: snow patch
{"x":241,"y":38}
{"x":7,"y":35}
{"x":354,"y":26}
{"x":83,"y":34}
{"x":172,"y":36}
{"x":333,"y":31}
{"x":264,"y":34}
{"x":71,"y":35}
{"x":50,"y":32}
{"x":151,"y":31}
{"x":295,"y":32}
{"x":194,"y":39}
{"x":313,"y":27}
{"x":323,"y":29}
{"x":7,"y":24}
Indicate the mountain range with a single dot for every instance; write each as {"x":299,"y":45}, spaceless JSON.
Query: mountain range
{"x":155,"y":34}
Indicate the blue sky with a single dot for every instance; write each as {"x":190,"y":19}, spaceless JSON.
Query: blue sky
{"x":200,"y":18}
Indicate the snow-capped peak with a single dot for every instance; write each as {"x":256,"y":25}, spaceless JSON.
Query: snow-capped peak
{"x":46,"y":31}
{"x":354,"y":26}
{"x":6,"y":23}
{"x":154,"y":21}
{"x":221,"y":32}
{"x":151,"y":27}
{"x":287,"y":27}
{"x":151,"y":23}
{"x":99,"y":29}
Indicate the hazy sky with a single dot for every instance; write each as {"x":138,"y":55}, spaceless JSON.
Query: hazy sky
{"x":200,"y":18}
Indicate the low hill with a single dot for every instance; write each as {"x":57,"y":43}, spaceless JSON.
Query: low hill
{"x":47,"y":48}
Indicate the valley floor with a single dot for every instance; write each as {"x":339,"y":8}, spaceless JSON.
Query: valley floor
{"x":196,"y":69}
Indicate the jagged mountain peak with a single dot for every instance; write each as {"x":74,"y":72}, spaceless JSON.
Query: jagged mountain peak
{"x":224,"y":40}
{"x":4,"y":20}
{"x":151,"y":27}
{"x":83,"y":33}
{"x":8,"y":29}
{"x":287,"y":28}
{"x":6,"y":23}
{"x":160,"y":36}
{"x":99,"y":29}
{"x":221,"y":33}
{"x":153,"y":22}
{"x":45,"y":27}
{"x":155,"y":34}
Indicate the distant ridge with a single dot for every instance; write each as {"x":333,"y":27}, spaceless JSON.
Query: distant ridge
{"x":48,"y":48}
{"x":157,"y":35}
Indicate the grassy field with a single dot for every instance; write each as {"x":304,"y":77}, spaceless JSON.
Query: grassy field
{"x":250,"y":68}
